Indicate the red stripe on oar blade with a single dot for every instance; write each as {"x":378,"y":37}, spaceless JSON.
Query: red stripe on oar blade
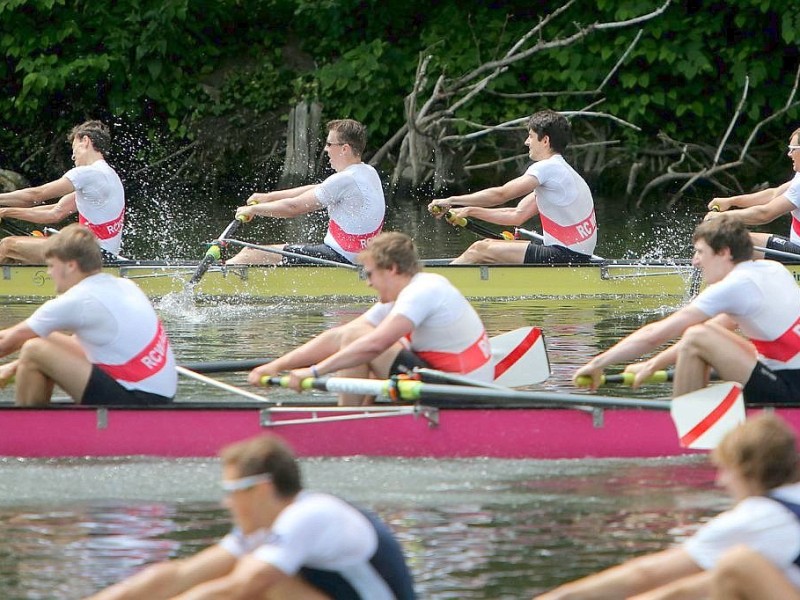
{"x":510,"y":359}
{"x":711,"y":418}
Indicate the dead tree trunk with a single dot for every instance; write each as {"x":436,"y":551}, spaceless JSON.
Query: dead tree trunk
{"x":302,"y":144}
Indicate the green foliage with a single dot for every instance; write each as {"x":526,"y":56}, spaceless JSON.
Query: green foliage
{"x":171,"y":64}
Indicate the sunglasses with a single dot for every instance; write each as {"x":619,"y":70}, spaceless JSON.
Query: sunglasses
{"x":244,"y":483}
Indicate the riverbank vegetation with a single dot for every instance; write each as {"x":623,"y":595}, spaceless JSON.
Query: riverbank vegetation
{"x":665,"y":97}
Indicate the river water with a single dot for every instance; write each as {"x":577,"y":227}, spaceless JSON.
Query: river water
{"x":471,"y":528}
{"x":483,"y":529}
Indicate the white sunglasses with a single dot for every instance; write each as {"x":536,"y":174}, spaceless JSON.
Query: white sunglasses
{"x":245,"y":483}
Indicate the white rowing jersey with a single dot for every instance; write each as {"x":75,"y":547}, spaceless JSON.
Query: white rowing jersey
{"x":100,"y":199}
{"x":356,"y":208}
{"x":320,"y":532}
{"x":764,"y":300}
{"x":448,"y":333}
{"x":793,"y":195}
{"x":566,"y":206}
{"x":117,"y":328}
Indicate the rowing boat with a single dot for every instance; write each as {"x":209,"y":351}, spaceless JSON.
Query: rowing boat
{"x":437,"y":430}
{"x":595,"y":280}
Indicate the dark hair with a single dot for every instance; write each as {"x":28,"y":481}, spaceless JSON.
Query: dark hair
{"x":96,"y":131}
{"x":763,"y":450}
{"x":76,"y":242}
{"x":350,"y":132}
{"x":266,"y":454}
{"x":392,"y":249}
{"x":554,"y":125}
{"x":726,"y":231}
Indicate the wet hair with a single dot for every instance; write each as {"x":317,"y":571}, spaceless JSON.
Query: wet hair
{"x":76,"y":242}
{"x":763,"y":450}
{"x":726,"y":231}
{"x":265,"y":454}
{"x":96,"y":131}
{"x":392,"y":249}
{"x":350,"y":132}
{"x":554,"y":125}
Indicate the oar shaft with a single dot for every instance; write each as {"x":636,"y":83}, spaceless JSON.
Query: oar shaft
{"x":625,"y":378}
{"x":779,"y":253}
{"x":535,"y":235}
{"x":213,"y":253}
{"x":220,"y":384}
{"x":417,"y":391}
{"x":303,"y":257}
{"x":226,"y":366}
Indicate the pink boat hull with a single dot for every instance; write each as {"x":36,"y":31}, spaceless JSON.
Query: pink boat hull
{"x":544,"y":433}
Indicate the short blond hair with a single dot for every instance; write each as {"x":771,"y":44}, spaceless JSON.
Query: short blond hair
{"x":76,"y":242}
{"x":392,"y":249}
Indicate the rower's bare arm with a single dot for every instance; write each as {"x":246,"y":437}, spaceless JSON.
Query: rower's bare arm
{"x":11,"y":339}
{"x":167,"y":579}
{"x":693,"y":587}
{"x":37,"y":195}
{"x":489,"y":197}
{"x":44,"y":215}
{"x":765,"y":213}
{"x":511,"y":215}
{"x":369,"y":346}
{"x":251,"y":578}
{"x":264,"y":197}
{"x":636,"y":576}
{"x":286,"y":208}
{"x":747,"y":200}
{"x":642,"y":341}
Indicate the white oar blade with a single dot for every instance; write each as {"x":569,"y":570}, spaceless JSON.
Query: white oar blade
{"x":702,"y":418}
{"x":520,"y":357}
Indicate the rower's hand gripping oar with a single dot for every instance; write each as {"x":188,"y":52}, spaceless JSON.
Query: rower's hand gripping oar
{"x":470,"y":225}
{"x":625,"y":378}
{"x":213,"y":252}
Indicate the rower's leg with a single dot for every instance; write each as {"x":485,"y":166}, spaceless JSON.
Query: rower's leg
{"x":348,"y":334}
{"x":710,"y":345}
{"x":43,"y":363}
{"x":252,"y":256}
{"x":744,"y":574}
{"x":485,"y":252}
{"x":760,"y":240}
{"x":22,"y":250}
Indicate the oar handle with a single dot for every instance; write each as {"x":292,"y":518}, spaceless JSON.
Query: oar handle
{"x":283,"y":381}
{"x":623,"y":378}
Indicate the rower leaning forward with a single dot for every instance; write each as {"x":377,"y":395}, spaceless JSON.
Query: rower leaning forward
{"x":550,"y":188}
{"x":92,"y":188}
{"x":420,"y":320}
{"x":767,"y":205}
{"x":760,"y":297}
{"x":118,"y":352}
{"x":353,"y":198}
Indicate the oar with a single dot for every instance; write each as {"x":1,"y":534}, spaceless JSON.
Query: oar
{"x":701,"y":417}
{"x":520,"y":357}
{"x":535,"y":235}
{"x":213,"y":252}
{"x":13,"y":229}
{"x":627,"y":378}
{"x":288,"y":254}
{"x":779,"y":253}
{"x":219,"y":384}
{"x":416,"y":391}
{"x":469,"y":224}
{"x":226,"y":366}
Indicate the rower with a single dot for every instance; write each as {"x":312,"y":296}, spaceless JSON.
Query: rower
{"x":353,"y":198}
{"x":287,"y":542}
{"x":420,"y":320}
{"x":767,"y":205}
{"x":550,"y":188}
{"x":760,"y":297}
{"x":118,"y":351}
{"x":92,"y":188}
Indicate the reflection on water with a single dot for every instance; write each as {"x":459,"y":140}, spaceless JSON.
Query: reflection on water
{"x":472,"y":529}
